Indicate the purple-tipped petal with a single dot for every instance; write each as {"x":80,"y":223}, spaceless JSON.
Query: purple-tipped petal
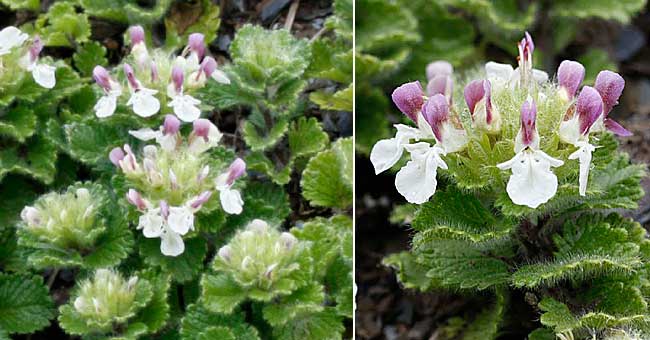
{"x":208,"y":65}
{"x":164,"y":209}
{"x":588,"y":107}
{"x":177,"y":78}
{"x":528,"y":118}
{"x":171,"y":125}
{"x":134,"y":197}
{"x":36,"y":48}
{"x":116,"y":155}
{"x":435,"y":112}
{"x":409,"y":99}
{"x":102,"y":77}
{"x":236,"y":170}
{"x":570,"y":75}
{"x":201,"y":199}
{"x":438,"y":68}
{"x":617,"y":128}
{"x":154,"y":72}
{"x":130,"y":76}
{"x":196,"y":44}
{"x":474,"y":92}
{"x":529,"y":42}
{"x":610,"y":86}
{"x":442,"y":84}
{"x":137,"y":34}
{"x":201,"y":128}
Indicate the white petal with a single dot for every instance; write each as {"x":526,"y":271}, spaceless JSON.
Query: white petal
{"x":220,"y":77}
{"x":105,"y":106}
{"x":144,"y":103}
{"x":167,"y":142}
{"x":453,"y":139}
{"x":416,"y":181}
{"x":424,"y":128}
{"x":11,"y":37}
{"x":231,"y":201}
{"x":151,"y":224}
{"x":386,"y":152}
{"x":144,"y":134}
{"x":185,"y":107}
{"x":498,"y":72}
{"x":44,"y":75}
{"x":570,"y":130}
{"x":199,"y":145}
{"x":540,"y":76}
{"x":583,"y":154}
{"x":171,"y":244}
{"x":191,"y":63}
{"x":180,"y":220}
{"x":532,"y":183}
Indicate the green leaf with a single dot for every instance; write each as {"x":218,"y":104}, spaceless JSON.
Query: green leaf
{"x":452,"y":214}
{"x":557,"y":315}
{"x":338,"y":101}
{"x":327,"y":237}
{"x":36,"y":158}
{"x":198,"y":320}
{"x":278,"y":173}
{"x":126,"y":11}
{"x":262,"y":200}
{"x":485,"y":325}
{"x":32,"y":5}
{"x":307,"y":299}
{"x":306,"y":137}
{"x":331,"y":59}
{"x":325,"y":325}
{"x":19,"y":122}
{"x":410,"y":273}
{"x":219,"y":332}
{"x":576,"y":268}
{"x":542,"y":334}
{"x":327,"y":179}
{"x":458,"y":264}
{"x":187,"y":18}
{"x":621,"y":11}
{"x":62,"y":25}
{"x":154,"y":315}
{"x":220,"y":293}
{"x":88,"y":56}
{"x":25,"y":305}
{"x":259,"y":142}
{"x":182,"y":268}
{"x":341,"y":21}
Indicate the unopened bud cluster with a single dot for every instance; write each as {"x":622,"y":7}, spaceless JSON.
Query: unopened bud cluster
{"x":260,"y":256}
{"x":507,"y":109}
{"x":171,"y":181}
{"x":108,"y":298}
{"x":66,"y":220}
{"x":156,"y":82}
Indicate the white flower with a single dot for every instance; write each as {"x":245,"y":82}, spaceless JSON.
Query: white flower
{"x":205,"y":136}
{"x":583,"y":155}
{"x":169,"y":224}
{"x":144,"y":103}
{"x":386,"y":152}
{"x":231,"y":200}
{"x":504,"y":75}
{"x":532,"y":182}
{"x":11,"y":37}
{"x":43,"y":74}
{"x":106,"y":105}
{"x":416,"y":181}
{"x":185,"y":107}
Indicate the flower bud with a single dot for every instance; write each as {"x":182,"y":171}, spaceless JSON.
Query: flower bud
{"x":201,"y":128}
{"x":442,"y":84}
{"x":83,"y":194}
{"x":102,"y":78}
{"x":236,"y":170}
{"x":130,"y":76}
{"x":288,"y":240}
{"x":35,"y":49}
{"x":171,"y":125}
{"x":588,"y":108}
{"x":30,"y":215}
{"x":258,"y":226}
{"x":116,"y":155}
{"x":570,"y":75}
{"x":528,"y":133}
{"x":208,"y":66}
{"x":409,"y":99}
{"x":196,"y":44}
{"x":225,"y":253}
{"x":201,"y":199}
{"x":154,"y":72}
{"x":137,"y":34}
{"x":268,"y":273}
{"x":134,"y":197}
{"x":610,"y":86}
{"x":177,"y":78}
{"x":436,"y":112}
{"x":438,"y":68}
{"x":478,"y":96}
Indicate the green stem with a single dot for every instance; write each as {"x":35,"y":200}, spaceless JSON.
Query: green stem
{"x":50,"y":280}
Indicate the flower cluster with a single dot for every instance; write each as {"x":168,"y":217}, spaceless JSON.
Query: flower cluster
{"x":532,"y":181}
{"x":13,"y":50}
{"x":66,"y":220}
{"x":260,"y":257}
{"x":174,"y":180}
{"x":155,"y":73}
